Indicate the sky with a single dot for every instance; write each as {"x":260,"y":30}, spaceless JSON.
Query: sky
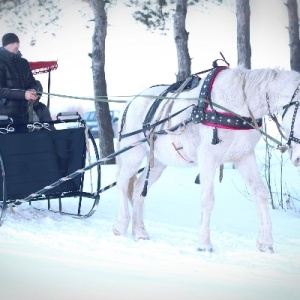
{"x":49,"y":256}
{"x":137,"y":59}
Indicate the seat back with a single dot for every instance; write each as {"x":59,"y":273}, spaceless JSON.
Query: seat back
{"x":37,"y":159}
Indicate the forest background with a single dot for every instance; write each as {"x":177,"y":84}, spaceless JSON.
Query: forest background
{"x":122,"y":58}
{"x":137,"y":58}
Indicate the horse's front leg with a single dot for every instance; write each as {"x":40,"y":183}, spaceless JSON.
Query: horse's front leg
{"x":139,"y":231}
{"x":249,"y":170}
{"x":207,"y":174}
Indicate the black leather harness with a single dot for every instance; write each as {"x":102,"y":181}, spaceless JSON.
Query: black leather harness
{"x":210,"y":117}
{"x":147,"y":126}
{"x":203,"y":113}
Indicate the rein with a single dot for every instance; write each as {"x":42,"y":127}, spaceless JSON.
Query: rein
{"x":286,"y":107}
{"x":148,"y":126}
{"x":291,"y":136}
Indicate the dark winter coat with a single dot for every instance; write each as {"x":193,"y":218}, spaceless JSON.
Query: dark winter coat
{"x":42,"y":112}
{"x":15,"y":78}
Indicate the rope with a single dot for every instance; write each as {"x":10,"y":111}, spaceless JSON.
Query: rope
{"x":105,"y":99}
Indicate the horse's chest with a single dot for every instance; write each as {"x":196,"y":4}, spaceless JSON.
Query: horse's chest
{"x":232,"y":147}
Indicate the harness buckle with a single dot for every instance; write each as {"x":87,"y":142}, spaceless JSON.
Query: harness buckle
{"x":146,"y":127}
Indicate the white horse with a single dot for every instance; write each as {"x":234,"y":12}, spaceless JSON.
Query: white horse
{"x":248,"y":93}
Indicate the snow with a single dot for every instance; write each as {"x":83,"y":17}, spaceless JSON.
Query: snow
{"x":44,"y":255}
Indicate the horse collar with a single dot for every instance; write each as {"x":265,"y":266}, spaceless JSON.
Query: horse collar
{"x":208,"y":83}
{"x":210,"y":117}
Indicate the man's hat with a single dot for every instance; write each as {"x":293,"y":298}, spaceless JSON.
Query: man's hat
{"x":9,"y":38}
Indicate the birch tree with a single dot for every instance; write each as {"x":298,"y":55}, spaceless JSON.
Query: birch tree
{"x":154,"y":14}
{"x":181,"y":37}
{"x":292,"y":8}
{"x":106,"y":134}
{"x":243,"y":33}
{"x":35,"y":15}
{"x":30,"y":17}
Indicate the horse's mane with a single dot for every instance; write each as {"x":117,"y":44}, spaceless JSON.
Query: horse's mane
{"x":255,"y":79}
{"x":260,"y":77}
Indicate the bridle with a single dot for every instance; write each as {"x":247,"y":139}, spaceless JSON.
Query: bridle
{"x":286,"y":107}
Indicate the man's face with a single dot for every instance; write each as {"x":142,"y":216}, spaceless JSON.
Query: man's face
{"x":13,"y":47}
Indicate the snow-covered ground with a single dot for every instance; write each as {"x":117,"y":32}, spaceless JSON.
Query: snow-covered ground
{"x":49,"y":256}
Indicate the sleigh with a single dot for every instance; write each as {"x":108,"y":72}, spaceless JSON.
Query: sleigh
{"x":36,"y":165}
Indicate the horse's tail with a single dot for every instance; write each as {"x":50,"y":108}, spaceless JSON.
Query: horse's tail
{"x":131,"y":180}
{"x":130,"y":188}
{"x":118,"y":158}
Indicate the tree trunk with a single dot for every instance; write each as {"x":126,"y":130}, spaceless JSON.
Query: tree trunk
{"x":181,"y":40}
{"x":106,"y":134}
{"x":292,"y":8}
{"x":243,"y":33}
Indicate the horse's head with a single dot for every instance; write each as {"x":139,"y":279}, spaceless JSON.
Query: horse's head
{"x":291,"y":126}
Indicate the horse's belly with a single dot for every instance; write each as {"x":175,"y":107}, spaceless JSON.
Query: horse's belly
{"x":176,"y":152}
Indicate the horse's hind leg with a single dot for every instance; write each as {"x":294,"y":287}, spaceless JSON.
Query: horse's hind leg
{"x":121,"y":224}
{"x":128,"y":165}
{"x":248,"y":169}
{"x":138,"y":227}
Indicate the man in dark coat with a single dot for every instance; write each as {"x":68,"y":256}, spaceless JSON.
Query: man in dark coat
{"x":17,"y":84}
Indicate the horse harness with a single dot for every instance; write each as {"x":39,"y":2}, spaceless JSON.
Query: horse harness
{"x":211,"y":117}
{"x":286,"y":107}
{"x":188,"y":84}
{"x":200,"y":113}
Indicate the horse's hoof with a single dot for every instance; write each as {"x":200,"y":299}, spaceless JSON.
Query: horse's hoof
{"x":202,"y":249}
{"x":140,"y":235}
{"x":120,"y":226}
{"x":118,"y":232}
{"x":141,"y":238}
{"x":264,"y":248}
{"x":115,"y":231}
